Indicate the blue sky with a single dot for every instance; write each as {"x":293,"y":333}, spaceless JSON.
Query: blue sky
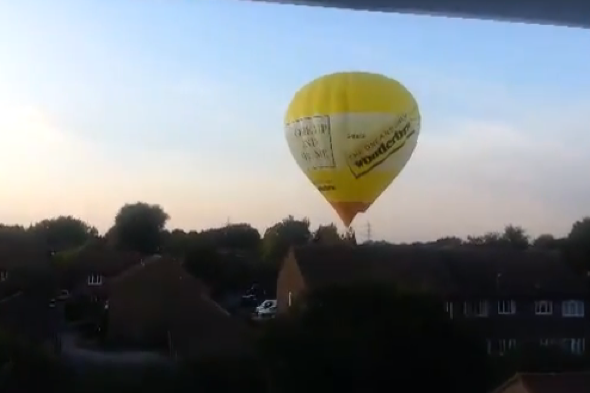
{"x":181,"y":102}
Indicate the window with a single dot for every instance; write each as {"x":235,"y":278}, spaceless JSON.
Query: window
{"x":500,"y":346}
{"x":94,"y":279}
{"x":505,"y":345}
{"x":476,"y":309}
{"x":543,"y":307}
{"x":449,"y":308}
{"x":3,"y":275}
{"x":506,"y":307}
{"x":574,"y":345}
{"x":572,"y":308}
{"x":547,"y":342}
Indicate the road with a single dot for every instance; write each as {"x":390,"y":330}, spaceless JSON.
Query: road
{"x":72,"y":352}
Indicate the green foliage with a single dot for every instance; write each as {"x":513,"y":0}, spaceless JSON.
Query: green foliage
{"x":327,"y":234}
{"x":580,"y":234}
{"x":63,"y":232}
{"x":139,"y":227}
{"x":65,"y":257}
{"x":514,"y":237}
{"x":203,"y":260}
{"x":280,"y":237}
{"x":546,"y":242}
{"x":12,"y":232}
{"x":226,"y":258}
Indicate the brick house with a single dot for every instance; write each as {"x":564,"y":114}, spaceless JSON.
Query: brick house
{"x":546,"y":383}
{"x":86,"y":270}
{"x":510,"y":297}
{"x":158,"y":304}
{"x":311,"y":267}
{"x":516,"y":296}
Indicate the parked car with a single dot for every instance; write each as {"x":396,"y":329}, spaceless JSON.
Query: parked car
{"x":64,"y":294}
{"x":266,"y":309}
{"x":255,"y":290}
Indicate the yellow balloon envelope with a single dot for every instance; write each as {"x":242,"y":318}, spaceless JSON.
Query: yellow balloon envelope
{"x":352,"y":133}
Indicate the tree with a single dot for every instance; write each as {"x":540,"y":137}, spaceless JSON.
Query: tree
{"x":327,"y":234}
{"x":515,"y":237}
{"x":370,"y":338}
{"x":449,"y":241}
{"x":578,"y":245}
{"x":579,"y":236}
{"x":546,"y":241}
{"x":204,"y":262}
{"x":281,"y":236}
{"x":226,"y":258}
{"x":236,"y":237}
{"x":490,"y":239}
{"x":12,"y":232}
{"x":64,"y":232}
{"x":175,"y":242}
{"x":140,"y":227}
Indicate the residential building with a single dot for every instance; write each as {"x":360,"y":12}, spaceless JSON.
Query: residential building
{"x":510,"y":297}
{"x":546,"y":383}
{"x":310,"y":267}
{"x":86,"y":271}
{"x":157,"y":303}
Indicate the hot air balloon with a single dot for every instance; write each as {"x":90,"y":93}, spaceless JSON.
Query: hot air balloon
{"x":352,"y":133}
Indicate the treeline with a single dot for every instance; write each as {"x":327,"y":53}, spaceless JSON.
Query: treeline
{"x":233,"y":256}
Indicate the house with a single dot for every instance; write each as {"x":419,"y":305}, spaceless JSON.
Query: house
{"x":24,"y":264}
{"x":547,"y":383}
{"x":509,"y":296}
{"x":311,"y":267}
{"x":86,"y":270}
{"x":158,"y":304}
{"x":514,"y":296}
